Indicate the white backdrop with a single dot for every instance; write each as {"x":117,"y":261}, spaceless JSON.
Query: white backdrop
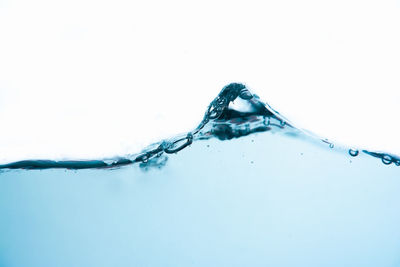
{"x":85,"y":78}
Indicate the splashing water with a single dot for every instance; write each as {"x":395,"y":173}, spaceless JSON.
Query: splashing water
{"x":244,"y":188}
{"x":234,"y":113}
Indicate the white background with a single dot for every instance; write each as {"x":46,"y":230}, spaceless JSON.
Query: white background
{"x":83,"y":78}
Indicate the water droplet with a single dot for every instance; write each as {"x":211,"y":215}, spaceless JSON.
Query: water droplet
{"x":331,"y":145}
{"x":353,"y":152}
{"x":386,"y":159}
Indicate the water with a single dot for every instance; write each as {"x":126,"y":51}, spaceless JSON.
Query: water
{"x":245,"y":188}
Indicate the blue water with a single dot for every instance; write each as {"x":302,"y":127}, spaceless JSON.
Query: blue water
{"x":245,"y":188}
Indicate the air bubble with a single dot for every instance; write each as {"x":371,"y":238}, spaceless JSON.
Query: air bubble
{"x":353,"y":152}
{"x":386,"y":159}
{"x":245,"y":94}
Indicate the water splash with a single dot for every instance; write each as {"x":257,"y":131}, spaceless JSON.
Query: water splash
{"x":234,"y":113}
{"x":244,"y":188}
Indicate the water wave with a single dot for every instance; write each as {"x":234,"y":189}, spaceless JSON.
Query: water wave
{"x":234,"y":113}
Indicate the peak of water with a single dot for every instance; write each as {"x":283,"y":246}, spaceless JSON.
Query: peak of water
{"x":234,"y":113}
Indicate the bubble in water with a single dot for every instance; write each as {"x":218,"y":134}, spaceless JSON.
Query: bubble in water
{"x":245,"y":94}
{"x":353,"y":152}
{"x":386,"y":159}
